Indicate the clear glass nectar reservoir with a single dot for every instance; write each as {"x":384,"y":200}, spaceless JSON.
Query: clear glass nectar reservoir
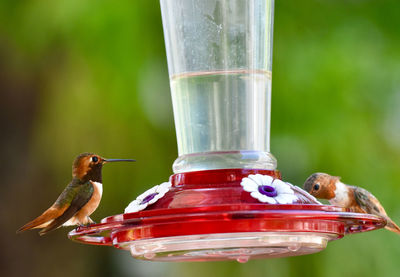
{"x":235,"y":117}
{"x":219,"y":59}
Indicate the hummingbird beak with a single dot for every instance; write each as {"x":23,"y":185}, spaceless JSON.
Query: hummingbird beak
{"x":117,"y":160}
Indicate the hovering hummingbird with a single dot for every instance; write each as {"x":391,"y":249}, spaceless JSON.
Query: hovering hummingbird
{"x":355,"y":199}
{"x":79,"y":199}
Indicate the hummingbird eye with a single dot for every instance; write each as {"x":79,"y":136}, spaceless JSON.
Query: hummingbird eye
{"x":95,"y":159}
{"x":316,"y":187}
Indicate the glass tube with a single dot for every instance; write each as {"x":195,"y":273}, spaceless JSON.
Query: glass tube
{"x":219,"y":59}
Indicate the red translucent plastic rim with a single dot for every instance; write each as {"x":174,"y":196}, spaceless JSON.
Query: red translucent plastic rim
{"x":123,"y":228}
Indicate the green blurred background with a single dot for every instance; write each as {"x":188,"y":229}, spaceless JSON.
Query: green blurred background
{"x":89,"y":75}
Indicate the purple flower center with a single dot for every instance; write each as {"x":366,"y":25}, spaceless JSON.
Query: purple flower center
{"x":148,"y":198}
{"x":268,"y":191}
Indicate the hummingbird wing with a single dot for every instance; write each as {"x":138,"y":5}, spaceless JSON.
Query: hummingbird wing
{"x":371,"y":205}
{"x":78,"y":196}
{"x":368,"y":202}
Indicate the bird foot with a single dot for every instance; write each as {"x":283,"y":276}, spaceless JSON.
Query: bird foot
{"x":79,"y":227}
{"x":83,"y":226}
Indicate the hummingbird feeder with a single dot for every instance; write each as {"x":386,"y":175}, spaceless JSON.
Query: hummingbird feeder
{"x":226,"y":199}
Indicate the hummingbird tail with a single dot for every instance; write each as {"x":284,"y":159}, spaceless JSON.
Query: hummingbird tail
{"x":41,"y":221}
{"x":391,"y":226}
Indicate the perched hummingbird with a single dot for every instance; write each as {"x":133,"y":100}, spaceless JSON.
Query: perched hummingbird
{"x":355,"y":199}
{"x":79,"y":199}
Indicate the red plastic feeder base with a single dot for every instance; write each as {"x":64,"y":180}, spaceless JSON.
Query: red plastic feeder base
{"x":207,"y":216}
